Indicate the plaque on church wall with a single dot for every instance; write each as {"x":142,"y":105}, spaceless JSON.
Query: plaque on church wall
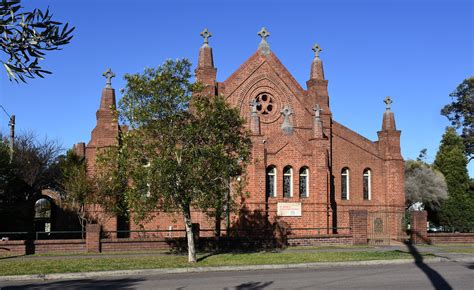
{"x":289,"y":209}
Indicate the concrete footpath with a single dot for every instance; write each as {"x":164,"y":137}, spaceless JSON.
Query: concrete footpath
{"x":441,"y":254}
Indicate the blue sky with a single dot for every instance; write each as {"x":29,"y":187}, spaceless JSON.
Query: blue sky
{"x":415,"y":51}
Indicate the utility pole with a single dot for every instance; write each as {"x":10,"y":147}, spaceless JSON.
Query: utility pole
{"x":11,"y":124}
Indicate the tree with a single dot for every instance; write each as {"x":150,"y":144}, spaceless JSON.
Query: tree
{"x":457,"y":211}
{"x":176,"y":159}
{"x":424,"y":184}
{"x":451,"y":161}
{"x":461,"y":114}
{"x":35,"y":166}
{"x":26,"y":37}
{"x":36,"y":162}
{"x":76,"y":187}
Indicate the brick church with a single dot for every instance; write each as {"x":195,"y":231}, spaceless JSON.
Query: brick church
{"x":307,"y":169}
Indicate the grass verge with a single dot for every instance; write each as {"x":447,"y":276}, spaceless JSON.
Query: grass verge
{"x":24,"y":265}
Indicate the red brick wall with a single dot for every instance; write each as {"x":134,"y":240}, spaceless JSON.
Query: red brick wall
{"x":12,"y":247}
{"x":59,"y":246}
{"x":451,"y":238}
{"x":418,"y":227}
{"x":323,"y":240}
{"x":358,"y":224}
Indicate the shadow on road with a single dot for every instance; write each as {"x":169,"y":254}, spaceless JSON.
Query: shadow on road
{"x":127,"y":283}
{"x":252,"y":285}
{"x":436,"y":279}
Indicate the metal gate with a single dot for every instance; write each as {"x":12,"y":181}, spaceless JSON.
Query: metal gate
{"x":378,"y":228}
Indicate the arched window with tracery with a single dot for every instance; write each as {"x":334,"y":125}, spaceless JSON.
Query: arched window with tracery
{"x":270,"y":183}
{"x":304,"y":182}
{"x":367,"y":183}
{"x":287,"y":181}
{"x":345,"y":184}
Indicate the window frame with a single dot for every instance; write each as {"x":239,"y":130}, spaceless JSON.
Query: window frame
{"x":304,"y":172}
{"x":367,"y":172}
{"x":345,"y":173}
{"x":290,"y":174}
{"x":271,"y":171}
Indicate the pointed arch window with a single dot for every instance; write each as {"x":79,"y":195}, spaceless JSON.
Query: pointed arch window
{"x":270,"y":183}
{"x":287,"y":181}
{"x":367,"y":183}
{"x":304,"y":182}
{"x":345,"y":184}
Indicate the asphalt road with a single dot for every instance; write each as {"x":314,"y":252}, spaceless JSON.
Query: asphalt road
{"x":441,"y":275}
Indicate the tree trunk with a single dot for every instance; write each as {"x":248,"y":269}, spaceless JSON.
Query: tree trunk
{"x":217,"y":228}
{"x":190,"y":235}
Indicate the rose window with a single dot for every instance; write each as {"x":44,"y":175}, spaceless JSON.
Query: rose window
{"x":265,"y":104}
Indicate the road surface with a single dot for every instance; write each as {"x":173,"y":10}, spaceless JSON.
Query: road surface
{"x":441,"y":275}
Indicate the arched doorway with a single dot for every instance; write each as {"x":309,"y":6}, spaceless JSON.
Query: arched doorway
{"x":43,"y":215}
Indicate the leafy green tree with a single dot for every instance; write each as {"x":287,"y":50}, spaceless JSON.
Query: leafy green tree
{"x":76,"y":187}
{"x":456,"y":211}
{"x":25,"y":37}
{"x":177,"y":159}
{"x":451,"y":161}
{"x":461,"y":114}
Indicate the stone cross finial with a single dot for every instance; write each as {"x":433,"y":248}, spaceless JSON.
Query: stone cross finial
{"x":264,"y":34}
{"x":286,"y":112}
{"x":388,"y":101}
{"x":317,"y":111}
{"x":254,"y":103}
{"x":206,"y":34}
{"x":317,"y":49}
{"x":286,"y":126}
{"x":108,"y":74}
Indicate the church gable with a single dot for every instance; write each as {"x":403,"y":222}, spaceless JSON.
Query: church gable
{"x":265,"y":79}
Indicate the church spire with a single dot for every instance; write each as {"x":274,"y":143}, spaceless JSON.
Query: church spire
{"x":317,"y":71}
{"x":388,"y":122}
{"x":108,"y":93}
{"x":318,"y":86}
{"x":205,"y":71}
{"x":205,"y":52}
{"x":106,"y":130}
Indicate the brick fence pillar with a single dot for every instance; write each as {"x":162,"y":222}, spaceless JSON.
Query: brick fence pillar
{"x":93,"y":238}
{"x":419,"y":234}
{"x":358,"y":224}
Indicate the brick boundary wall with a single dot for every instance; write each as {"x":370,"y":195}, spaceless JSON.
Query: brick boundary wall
{"x":71,"y":246}
{"x":451,"y":238}
{"x":418,"y":230}
{"x":13,"y":247}
{"x":93,"y":238}
{"x":24,"y":247}
{"x":125,"y":245}
{"x":358,"y":224}
{"x":320,"y":240}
